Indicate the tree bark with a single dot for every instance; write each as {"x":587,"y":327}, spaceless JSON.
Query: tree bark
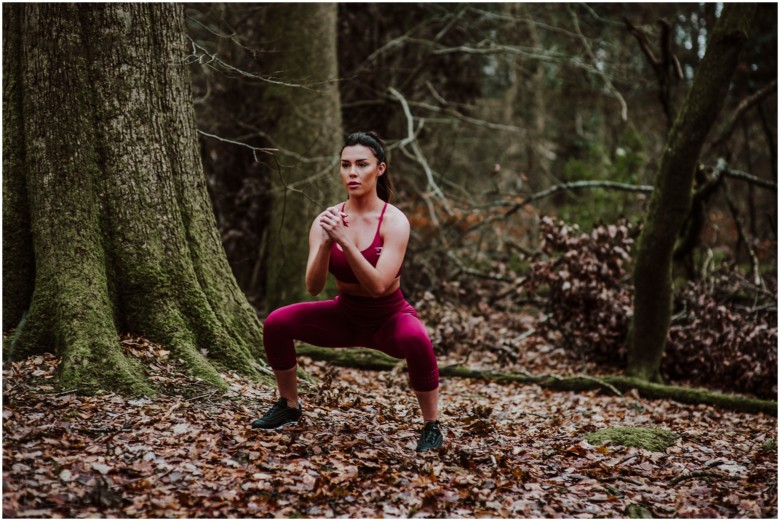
{"x":671,"y":199}
{"x":306,"y":127}
{"x":123,"y":232}
{"x":18,"y":260}
{"x":378,"y":361}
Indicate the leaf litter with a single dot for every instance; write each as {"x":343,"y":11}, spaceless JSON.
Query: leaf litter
{"x":512,"y":451}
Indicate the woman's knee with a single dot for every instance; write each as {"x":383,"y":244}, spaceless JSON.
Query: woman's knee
{"x":278,"y":320}
{"x":277,"y":342}
{"x":410,"y":332}
{"x":413,"y":340}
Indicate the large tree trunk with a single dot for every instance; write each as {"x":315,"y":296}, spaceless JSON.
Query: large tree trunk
{"x":123,"y":232}
{"x":308,"y":133}
{"x":18,"y":260}
{"x":671,"y":199}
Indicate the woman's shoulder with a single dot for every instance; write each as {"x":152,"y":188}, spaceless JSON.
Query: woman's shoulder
{"x":395,"y":216}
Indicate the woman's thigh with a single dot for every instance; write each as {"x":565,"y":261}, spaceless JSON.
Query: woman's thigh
{"x":401,"y":336}
{"x":318,"y":323}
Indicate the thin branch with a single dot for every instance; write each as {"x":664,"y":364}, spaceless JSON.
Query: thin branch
{"x":660,"y":73}
{"x":457,"y":115}
{"x":744,"y":105}
{"x":493,"y":48}
{"x":213,"y":31}
{"x":592,"y":56}
{"x":600,"y":18}
{"x":506,"y":17}
{"x":254,"y":150}
{"x":476,"y":273}
{"x":515,"y":206}
{"x":604,"y":384}
{"x":212,"y":58}
{"x":700,"y":474}
{"x":575,"y":185}
{"x":744,"y":176}
{"x":321,"y":173}
{"x":395,"y":42}
{"x":743,"y":237}
{"x":435,"y":93}
{"x":412,"y":140}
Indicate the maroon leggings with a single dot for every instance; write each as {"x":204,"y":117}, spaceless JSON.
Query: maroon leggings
{"x":388,"y":324}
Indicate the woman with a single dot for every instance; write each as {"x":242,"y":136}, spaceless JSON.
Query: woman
{"x":362,"y":242}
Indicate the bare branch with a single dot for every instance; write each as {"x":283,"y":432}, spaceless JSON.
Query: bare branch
{"x":515,"y":206}
{"x":474,"y":121}
{"x":744,"y":105}
{"x":577,"y":185}
{"x":199,"y":53}
{"x":506,"y":17}
{"x":661,"y":73}
{"x":538,"y":54}
{"x":435,"y":94}
{"x":418,"y":155}
{"x":744,"y":176}
{"x":476,"y":273}
{"x":254,"y":150}
{"x":592,"y":56}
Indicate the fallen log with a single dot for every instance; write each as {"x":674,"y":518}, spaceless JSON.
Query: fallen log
{"x":617,"y":384}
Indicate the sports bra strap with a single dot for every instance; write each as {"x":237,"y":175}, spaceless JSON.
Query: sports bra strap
{"x":381,"y":216}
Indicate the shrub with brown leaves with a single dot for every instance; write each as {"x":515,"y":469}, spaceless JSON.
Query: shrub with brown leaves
{"x":721,"y":335}
{"x":582,"y":279}
{"x":715,"y":340}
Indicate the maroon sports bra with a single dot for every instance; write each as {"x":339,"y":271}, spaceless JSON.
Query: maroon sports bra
{"x":339,"y":266}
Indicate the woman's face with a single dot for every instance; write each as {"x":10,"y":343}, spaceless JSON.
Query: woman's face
{"x":360,"y":169}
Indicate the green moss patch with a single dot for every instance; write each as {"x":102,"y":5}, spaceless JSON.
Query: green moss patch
{"x":657,"y":440}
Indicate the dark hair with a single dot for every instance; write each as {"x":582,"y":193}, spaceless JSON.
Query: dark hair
{"x":384,"y":187}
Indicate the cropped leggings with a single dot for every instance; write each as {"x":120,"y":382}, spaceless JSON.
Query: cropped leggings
{"x":389,"y":324}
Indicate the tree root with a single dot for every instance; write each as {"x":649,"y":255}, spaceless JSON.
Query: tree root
{"x":371,"y":359}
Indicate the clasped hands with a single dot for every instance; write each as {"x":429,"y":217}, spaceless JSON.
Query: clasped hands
{"x":334,"y":223}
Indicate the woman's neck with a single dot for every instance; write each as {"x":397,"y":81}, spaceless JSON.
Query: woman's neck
{"x":364,"y":204}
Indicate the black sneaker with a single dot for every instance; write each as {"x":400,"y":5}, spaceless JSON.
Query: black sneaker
{"x":280,"y":415}
{"x":431,"y":438}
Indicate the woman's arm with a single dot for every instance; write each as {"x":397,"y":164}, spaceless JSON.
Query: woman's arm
{"x":377,"y":280}
{"x":319,"y":256}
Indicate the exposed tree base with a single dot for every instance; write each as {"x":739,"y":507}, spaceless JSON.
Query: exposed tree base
{"x":370,"y":359}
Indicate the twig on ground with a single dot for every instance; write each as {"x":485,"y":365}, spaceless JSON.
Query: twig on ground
{"x":700,"y":474}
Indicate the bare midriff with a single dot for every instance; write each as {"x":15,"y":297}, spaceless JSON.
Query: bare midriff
{"x":357,"y":290}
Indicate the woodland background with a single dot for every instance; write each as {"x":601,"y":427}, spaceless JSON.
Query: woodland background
{"x":490,"y":110}
{"x":524,"y":143}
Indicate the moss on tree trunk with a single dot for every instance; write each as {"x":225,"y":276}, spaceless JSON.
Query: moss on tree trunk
{"x":123,"y":232}
{"x":671,"y":199}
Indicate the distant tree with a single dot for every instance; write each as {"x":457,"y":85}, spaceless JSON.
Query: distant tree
{"x":304,"y":123}
{"x":262,"y":84}
{"x":227,"y":38}
{"x":101,"y":160}
{"x":671,"y":200}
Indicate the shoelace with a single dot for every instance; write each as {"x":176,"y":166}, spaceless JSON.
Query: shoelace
{"x":429,"y":435}
{"x":275,"y":409}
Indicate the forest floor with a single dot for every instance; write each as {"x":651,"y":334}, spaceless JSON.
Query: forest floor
{"x":512,"y":451}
